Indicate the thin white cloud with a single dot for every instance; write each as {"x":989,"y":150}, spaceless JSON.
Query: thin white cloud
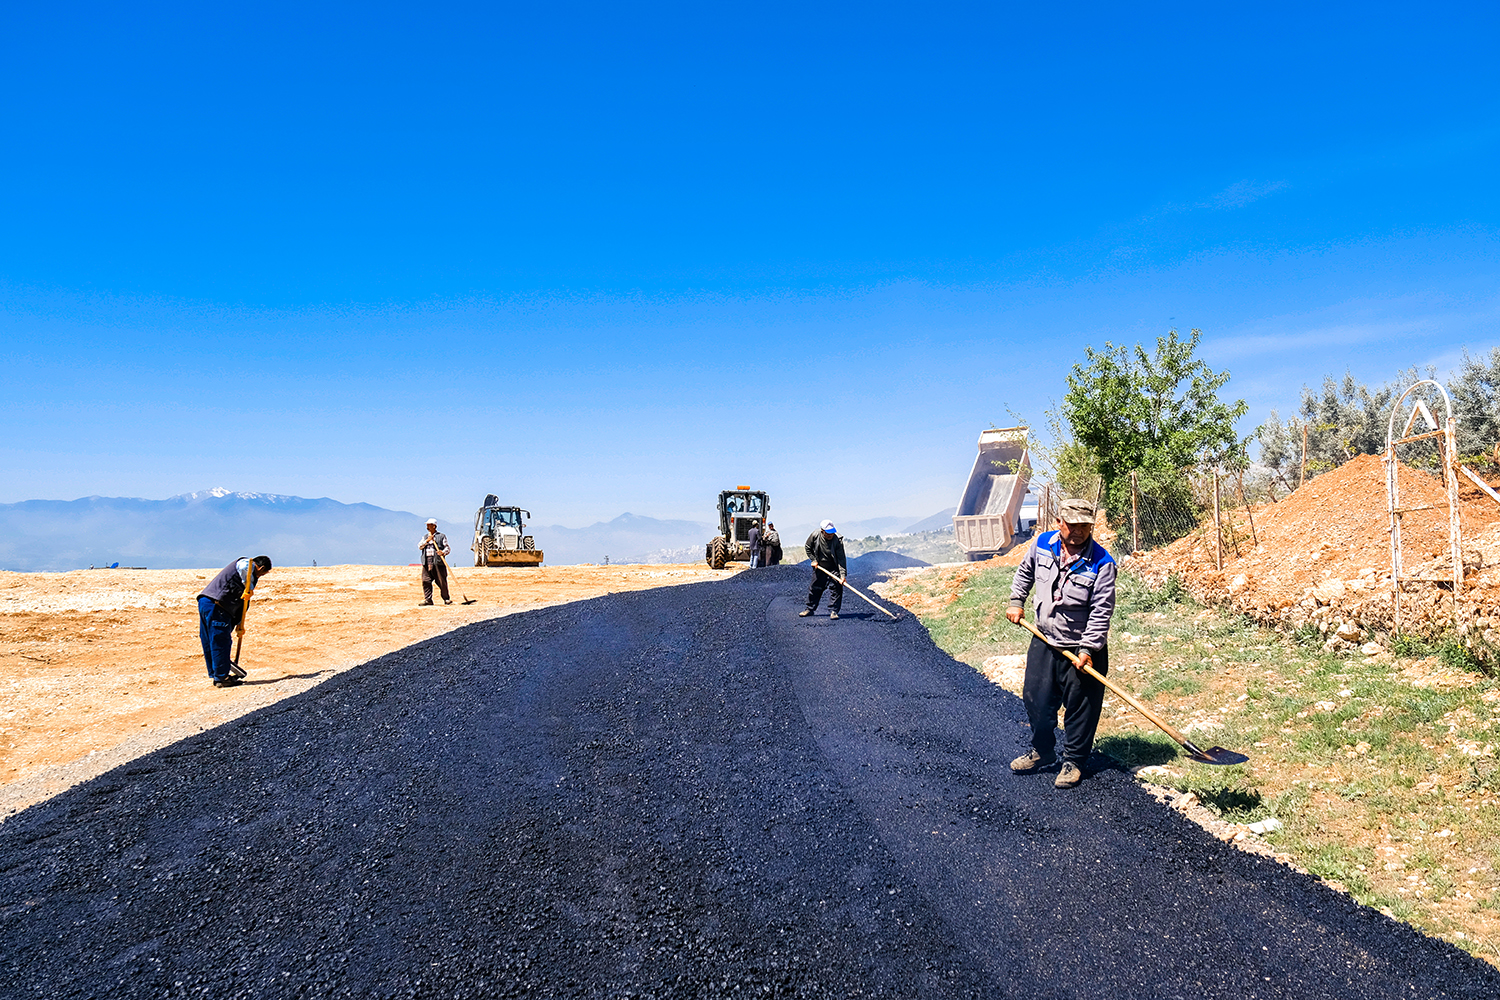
{"x":1241,"y":193}
{"x":1237,"y":195}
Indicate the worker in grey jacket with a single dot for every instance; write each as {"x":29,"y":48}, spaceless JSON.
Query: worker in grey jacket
{"x":1074,"y":579}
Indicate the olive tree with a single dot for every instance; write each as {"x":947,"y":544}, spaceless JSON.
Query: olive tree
{"x":1156,"y":414}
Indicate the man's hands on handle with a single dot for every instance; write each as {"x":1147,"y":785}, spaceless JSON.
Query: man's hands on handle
{"x":1084,"y":657}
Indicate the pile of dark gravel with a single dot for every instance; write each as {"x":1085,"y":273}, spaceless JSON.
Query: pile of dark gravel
{"x":688,"y":792}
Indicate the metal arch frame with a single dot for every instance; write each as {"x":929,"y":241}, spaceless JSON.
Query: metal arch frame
{"x":1448,"y":435}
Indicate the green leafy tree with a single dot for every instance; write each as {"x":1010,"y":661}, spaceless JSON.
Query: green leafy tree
{"x":1154,"y":414}
{"x":1476,"y":402}
{"x":1346,"y":418}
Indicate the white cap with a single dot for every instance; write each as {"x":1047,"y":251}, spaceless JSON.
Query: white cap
{"x":432,"y":520}
{"x":827,"y":526}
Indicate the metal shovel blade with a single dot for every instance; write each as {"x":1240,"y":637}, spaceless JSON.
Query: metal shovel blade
{"x":1214,"y":755}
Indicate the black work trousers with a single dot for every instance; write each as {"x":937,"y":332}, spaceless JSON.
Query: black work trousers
{"x":815,"y":592}
{"x":437,"y":570}
{"x":1052,"y":682}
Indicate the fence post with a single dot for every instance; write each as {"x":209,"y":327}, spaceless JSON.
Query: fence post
{"x":1302,"y":473}
{"x":1042,"y":523}
{"x":1218,"y":528}
{"x":1135,"y":527}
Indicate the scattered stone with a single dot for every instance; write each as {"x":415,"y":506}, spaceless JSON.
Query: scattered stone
{"x":1350,"y":632}
{"x":1329,"y":590}
{"x":1264,"y":826}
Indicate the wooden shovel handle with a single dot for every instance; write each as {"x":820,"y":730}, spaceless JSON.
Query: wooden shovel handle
{"x":846,"y":583}
{"x":1156,"y":720}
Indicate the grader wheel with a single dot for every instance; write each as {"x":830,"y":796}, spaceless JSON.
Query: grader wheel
{"x":718,"y":553}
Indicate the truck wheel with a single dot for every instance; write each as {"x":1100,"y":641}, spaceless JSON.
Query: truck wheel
{"x":528,"y":543}
{"x":717,"y":553}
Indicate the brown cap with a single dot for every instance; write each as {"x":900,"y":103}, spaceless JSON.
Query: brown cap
{"x":1076,"y":512}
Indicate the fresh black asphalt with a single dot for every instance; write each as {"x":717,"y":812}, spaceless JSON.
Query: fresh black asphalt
{"x":688,"y":792}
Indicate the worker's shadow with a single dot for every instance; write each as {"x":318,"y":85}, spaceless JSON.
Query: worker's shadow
{"x":1123,"y":751}
{"x":287,"y":677}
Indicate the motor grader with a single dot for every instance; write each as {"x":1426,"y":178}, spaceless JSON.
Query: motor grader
{"x":740,"y":509}
{"x":500,"y":537}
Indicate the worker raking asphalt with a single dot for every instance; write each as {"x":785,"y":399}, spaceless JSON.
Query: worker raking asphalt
{"x":689,"y":792}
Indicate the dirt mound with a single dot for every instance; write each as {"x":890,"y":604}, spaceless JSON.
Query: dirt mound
{"x":1323,"y":554}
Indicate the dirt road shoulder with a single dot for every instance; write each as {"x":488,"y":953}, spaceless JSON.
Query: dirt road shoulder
{"x":101,"y":666}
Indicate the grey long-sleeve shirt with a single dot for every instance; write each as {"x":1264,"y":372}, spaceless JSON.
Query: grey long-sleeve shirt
{"x":1074,"y":603}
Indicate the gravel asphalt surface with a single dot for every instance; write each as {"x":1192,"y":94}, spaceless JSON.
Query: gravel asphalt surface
{"x":688,"y":792}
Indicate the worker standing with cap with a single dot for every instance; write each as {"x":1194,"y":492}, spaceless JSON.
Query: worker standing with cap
{"x":1074,"y":579}
{"x":826,"y":549}
{"x":221,"y":607}
{"x":433,"y":547}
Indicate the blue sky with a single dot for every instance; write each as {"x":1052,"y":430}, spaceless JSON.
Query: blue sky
{"x":598,"y":258}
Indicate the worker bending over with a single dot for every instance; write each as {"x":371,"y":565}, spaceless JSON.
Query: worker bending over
{"x":221,"y":608}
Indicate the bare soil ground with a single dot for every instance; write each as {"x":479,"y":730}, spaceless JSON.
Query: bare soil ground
{"x":1327,"y":546}
{"x":100,"y":666}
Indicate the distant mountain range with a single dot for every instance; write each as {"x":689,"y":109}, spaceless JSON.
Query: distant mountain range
{"x":207,"y":528}
{"x":202,"y":530}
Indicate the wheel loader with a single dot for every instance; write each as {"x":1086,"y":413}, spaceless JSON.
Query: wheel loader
{"x":500,"y":537}
{"x":740,"y":509}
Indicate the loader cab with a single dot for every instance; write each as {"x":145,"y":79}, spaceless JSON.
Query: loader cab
{"x":501,"y":517}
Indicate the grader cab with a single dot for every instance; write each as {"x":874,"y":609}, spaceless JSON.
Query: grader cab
{"x":740,"y":509}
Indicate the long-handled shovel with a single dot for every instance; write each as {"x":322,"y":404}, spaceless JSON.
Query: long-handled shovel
{"x":449,"y":571}
{"x":1213,"y":755}
{"x":234,"y":661}
{"x":847,"y":584}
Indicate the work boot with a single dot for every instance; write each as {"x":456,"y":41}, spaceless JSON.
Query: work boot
{"x":227,"y":682}
{"x":1068,"y":777}
{"x":424,"y":604}
{"x":1033,"y":761}
{"x":804,"y":612}
{"x":446,"y":601}
{"x":833,"y":616}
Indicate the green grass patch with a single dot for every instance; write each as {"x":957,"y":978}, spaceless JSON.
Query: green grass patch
{"x":1361,"y":766}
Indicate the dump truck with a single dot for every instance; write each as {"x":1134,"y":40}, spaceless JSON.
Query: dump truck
{"x":985,"y":523}
{"x":500,"y":537}
{"x":740,"y":509}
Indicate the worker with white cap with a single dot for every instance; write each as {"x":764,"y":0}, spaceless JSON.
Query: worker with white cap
{"x":826,"y":549}
{"x":434,"y":546}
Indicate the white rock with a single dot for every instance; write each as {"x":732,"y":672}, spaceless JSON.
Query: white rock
{"x":1325,"y":706}
{"x":1372,"y":649}
{"x":1265,"y":826}
{"x":1350,"y":632}
{"x":1329,"y":590}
